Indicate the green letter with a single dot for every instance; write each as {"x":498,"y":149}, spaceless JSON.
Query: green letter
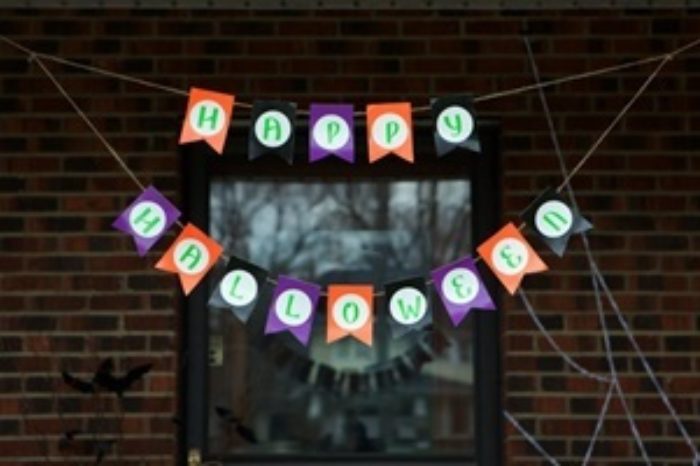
{"x":203,"y":118}
{"x":192,"y":252}
{"x":392,"y":129}
{"x":272,"y":124}
{"x":290,"y":300}
{"x":333,"y":128}
{"x":408,"y":311}
{"x":234,"y":285}
{"x":548,"y":218}
{"x":355,"y":309}
{"x":512,"y":260}
{"x":456,"y":127}
{"x":457,"y":285}
{"x":149,"y":224}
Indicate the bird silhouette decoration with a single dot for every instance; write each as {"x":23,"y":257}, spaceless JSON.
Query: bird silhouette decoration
{"x":103,"y":380}
{"x":227,"y":416}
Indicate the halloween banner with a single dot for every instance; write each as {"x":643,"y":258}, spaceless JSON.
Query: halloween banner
{"x":554,"y":220}
{"x":272,"y":130}
{"x":293,"y":308}
{"x":350,"y":312}
{"x":239,"y":288}
{"x":454,"y":125}
{"x":147,"y":219}
{"x":408,"y":303}
{"x":390,"y":131}
{"x":190,"y":256}
{"x":461,"y":289}
{"x":331,"y":132}
{"x":510,"y":257}
{"x":294,"y":303}
{"x":207,"y":118}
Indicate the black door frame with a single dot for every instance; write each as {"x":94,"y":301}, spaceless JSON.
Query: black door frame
{"x":198,"y":163}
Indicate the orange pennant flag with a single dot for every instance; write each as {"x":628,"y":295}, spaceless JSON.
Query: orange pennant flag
{"x":390,"y":131}
{"x":208,"y":116}
{"x":510,"y":257}
{"x":190,"y":256}
{"x":350,"y":309}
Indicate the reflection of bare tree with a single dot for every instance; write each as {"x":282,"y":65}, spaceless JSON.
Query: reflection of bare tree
{"x":277,"y":224}
{"x":335,"y":232}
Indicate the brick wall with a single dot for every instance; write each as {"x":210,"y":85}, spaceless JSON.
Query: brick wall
{"x":72,"y":290}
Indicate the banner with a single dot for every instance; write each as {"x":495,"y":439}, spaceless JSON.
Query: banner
{"x":554,"y":220}
{"x":272,"y":130}
{"x":350,"y":312}
{"x":239,"y":288}
{"x":147,"y":219}
{"x":408,"y":303}
{"x":510,"y":257}
{"x":331,"y":132}
{"x":454,"y":125}
{"x":461,"y":289}
{"x":390,"y":131}
{"x":293,"y":308}
{"x":207,"y":118}
{"x":190,"y":256}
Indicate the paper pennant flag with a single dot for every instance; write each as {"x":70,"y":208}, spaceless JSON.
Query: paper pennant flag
{"x":461,"y":289}
{"x":147,"y":219}
{"x":331,"y":132}
{"x":190,"y":256}
{"x":350,"y":312}
{"x":409,"y":306}
{"x":208,"y":116}
{"x":272,"y":130}
{"x":239,"y":288}
{"x":510,"y":257}
{"x":389,"y":131}
{"x":454,"y":125}
{"x":293,"y":308}
{"x":554,"y":220}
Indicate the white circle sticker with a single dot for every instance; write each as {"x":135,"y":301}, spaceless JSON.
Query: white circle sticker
{"x":460,"y":285}
{"x":147,"y":219}
{"x":293,"y":307}
{"x":207,"y":117}
{"x":191,"y":256}
{"x":238,"y":288}
{"x":350,"y":312}
{"x":455,"y":124}
{"x":273,"y":128}
{"x":554,"y":219}
{"x":510,"y":256}
{"x":331,"y":132}
{"x":408,"y":305}
{"x":390,"y":131}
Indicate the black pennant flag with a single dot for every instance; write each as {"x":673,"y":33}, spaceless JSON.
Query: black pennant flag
{"x":239,"y":288}
{"x":454,"y":125}
{"x":272,"y":130}
{"x":408,"y":303}
{"x":554,"y":220}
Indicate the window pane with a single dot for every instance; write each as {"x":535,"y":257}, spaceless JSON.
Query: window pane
{"x":343,"y":397}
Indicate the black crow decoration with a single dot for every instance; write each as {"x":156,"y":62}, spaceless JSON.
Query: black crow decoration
{"x":105,"y":379}
{"x":227,"y":416}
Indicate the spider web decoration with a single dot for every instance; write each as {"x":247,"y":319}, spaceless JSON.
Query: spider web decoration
{"x":601,"y":290}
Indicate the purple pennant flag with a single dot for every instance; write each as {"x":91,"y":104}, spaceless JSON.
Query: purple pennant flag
{"x":331,"y":132}
{"x":147,"y":219}
{"x":293,"y":308}
{"x":461,"y":289}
